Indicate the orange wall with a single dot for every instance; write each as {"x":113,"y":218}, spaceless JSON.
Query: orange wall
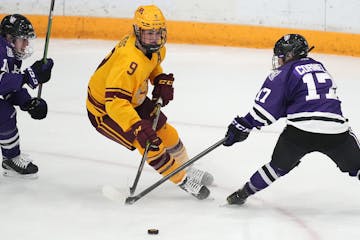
{"x":196,"y":33}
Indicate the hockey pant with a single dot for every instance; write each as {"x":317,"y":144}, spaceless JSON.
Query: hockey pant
{"x":170,"y":156}
{"x":293,"y":144}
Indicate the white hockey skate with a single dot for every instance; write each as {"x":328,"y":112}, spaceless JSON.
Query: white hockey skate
{"x":197,"y":190}
{"x":200,"y":176}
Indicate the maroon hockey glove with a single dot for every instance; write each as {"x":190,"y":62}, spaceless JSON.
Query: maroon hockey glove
{"x":145,"y":134}
{"x":238,"y":131}
{"x":163,"y":88}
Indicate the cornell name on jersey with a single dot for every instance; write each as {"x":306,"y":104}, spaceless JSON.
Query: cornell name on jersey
{"x":303,"y":92}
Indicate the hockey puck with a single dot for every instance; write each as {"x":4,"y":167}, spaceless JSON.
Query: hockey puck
{"x":153,"y":231}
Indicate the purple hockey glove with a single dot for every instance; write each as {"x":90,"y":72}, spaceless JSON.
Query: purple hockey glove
{"x":38,"y":73}
{"x":37,"y":108}
{"x":237,"y":131}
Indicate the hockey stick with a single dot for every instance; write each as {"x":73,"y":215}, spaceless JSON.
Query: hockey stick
{"x":144,"y":156}
{"x":132,"y":199}
{"x":48,"y":31}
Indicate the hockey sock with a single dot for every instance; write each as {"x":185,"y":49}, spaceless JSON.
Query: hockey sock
{"x":179,"y":153}
{"x":263,"y":177}
{"x":9,"y":142}
{"x":165,"y":164}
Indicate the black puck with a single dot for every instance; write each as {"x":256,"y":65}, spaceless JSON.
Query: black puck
{"x":153,"y":231}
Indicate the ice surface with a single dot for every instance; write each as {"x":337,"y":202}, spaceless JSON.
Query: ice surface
{"x":213,"y":84}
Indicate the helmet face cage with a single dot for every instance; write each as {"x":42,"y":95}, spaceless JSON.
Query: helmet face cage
{"x":20,"y":29}
{"x":148,"y":47}
{"x":290,"y":47}
{"x":150,"y":18}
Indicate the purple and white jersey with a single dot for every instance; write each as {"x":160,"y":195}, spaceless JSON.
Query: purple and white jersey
{"x":11,"y":79}
{"x":303,"y":92}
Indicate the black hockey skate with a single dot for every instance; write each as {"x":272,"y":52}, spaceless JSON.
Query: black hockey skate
{"x":239,"y":197}
{"x":20,"y":166}
{"x":197,"y":190}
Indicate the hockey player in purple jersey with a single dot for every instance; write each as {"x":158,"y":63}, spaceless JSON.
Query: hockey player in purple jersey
{"x":300,"y":89}
{"x":16,"y":31}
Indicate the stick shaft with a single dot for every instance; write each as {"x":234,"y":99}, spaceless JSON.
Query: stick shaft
{"x":144,"y":156}
{"x":47,"y":38}
{"x":131,"y":200}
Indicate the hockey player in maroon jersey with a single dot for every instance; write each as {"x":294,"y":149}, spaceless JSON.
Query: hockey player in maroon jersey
{"x":16,"y":32}
{"x":119,"y":108}
{"x":300,"y":89}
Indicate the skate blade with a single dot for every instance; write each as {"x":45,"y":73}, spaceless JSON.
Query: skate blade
{"x":227,"y":205}
{"x":13,"y":174}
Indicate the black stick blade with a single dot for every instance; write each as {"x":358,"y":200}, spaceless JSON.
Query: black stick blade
{"x":131,"y":200}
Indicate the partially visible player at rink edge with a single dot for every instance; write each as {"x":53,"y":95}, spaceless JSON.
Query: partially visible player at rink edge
{"x":119,"y":109}
{"x":16,"y":33}
{"x":300,"y":89}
